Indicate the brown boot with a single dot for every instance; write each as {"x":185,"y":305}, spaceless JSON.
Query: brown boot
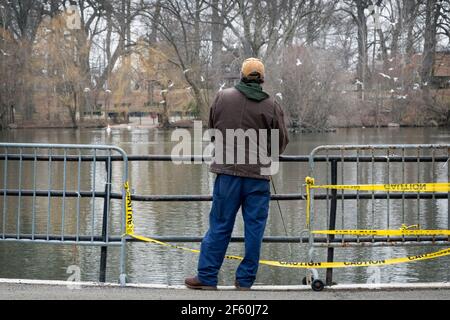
{"x":238,"y":287}
{"x":194,"y":283}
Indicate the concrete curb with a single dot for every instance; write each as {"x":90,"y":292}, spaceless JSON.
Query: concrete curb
{"x":381,"y":286}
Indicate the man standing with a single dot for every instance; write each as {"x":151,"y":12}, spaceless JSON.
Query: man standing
{"x":241,"y":113}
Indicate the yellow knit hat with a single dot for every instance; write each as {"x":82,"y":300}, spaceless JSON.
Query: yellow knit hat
{"x":252,"y":65}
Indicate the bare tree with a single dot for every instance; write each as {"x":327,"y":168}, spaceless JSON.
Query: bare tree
{"x":23,"y":19}
{"x":180,"y":25}
{"x":355,"y":9}
{"x":429,"y":46}
{"x":206,"y":40}
{"x":444,"y":22}
{"x":315,"y":82}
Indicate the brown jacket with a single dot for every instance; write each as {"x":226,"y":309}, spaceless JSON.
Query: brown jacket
{"x":233,"y":110}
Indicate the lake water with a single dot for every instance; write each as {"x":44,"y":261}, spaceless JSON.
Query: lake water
{"x":149,"y":263}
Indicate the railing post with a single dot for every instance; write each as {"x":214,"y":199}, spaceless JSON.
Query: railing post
{"x":332,"y":222}
{"x":106,"y":203}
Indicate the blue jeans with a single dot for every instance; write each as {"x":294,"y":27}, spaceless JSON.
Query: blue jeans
{"x":230,"y":193}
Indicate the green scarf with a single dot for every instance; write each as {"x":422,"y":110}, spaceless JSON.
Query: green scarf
{"x":252,"y":91}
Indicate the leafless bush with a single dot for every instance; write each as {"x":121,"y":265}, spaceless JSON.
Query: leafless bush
{"x":310,"y":85}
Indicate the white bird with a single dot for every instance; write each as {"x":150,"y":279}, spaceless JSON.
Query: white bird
{"x":392,"y":91}
{"x":279,"y":95}
{"x":171,"y":85}
{"x":108,"y":129}
{"x":86,"y":90}
{"x":384,"y":75}
{"x":298,"y":63}
{"x":395,"y":79}
{"x":416,"y":86}
{"x":164,"y":91}
{"x":358,"y":82}
{"x":44,"y":71}
{"x":390,"y":69}
{"x":446,"y":163}
{"x":186,"y":71}
{"x":162,"y":102}
{"x":425,"y":83}
{"x":202,"y":78}
{"x":108,"y":91}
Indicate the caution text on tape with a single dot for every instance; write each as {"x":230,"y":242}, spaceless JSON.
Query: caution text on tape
{"x":399,"y":232}
{"x":283,"y":264}
{"x":401,"y":187}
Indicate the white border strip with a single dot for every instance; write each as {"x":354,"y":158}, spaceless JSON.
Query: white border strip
{"x":381,"y":286}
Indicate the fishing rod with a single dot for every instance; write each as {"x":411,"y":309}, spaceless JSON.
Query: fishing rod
{"x":282,"y":218}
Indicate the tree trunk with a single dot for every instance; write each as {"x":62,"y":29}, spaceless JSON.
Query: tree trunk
{"x":429,"y":46}
{"x":201,"y":103}
{"x":409,"y":17}
{"x":247,"y":44}
{"x":25,"y":105}
{"x":311,"y":25}
{"x":165,"y":123}
{"x":73,"y":110}
{"x":398,"y":29}
{"x":154,"y":28}
{"x":429,"y":50}
{"x":109,"y":30}
{"x":217,"y":30}
{"x":384,"y":50}
{"x":362,"y":66}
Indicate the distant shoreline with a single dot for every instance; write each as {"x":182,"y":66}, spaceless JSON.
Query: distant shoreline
{"x":145,"y":123}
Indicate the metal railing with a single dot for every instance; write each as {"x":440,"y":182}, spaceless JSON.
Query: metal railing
{"x":73,"y":210}
{"x":341,"y":163}
{"x":362,"y":164}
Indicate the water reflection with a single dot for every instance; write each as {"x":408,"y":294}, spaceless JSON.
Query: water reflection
{"x":153,"y":264}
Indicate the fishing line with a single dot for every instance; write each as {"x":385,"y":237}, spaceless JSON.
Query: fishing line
{"x":282,"y":218}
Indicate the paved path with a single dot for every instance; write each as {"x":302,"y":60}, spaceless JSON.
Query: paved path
{"x":59,"y":290}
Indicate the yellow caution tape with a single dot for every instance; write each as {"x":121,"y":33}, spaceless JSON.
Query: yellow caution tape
{"x":318,"y":265}
{"x":130,"y":229}
{"x":309,"y":184}
{"x":321,"y":265}
{"x":284,"y":264}
{"x":129,"y":211}
{"x":391,"y":187}
{"x":399,"y":232}
{"x":145,"y":239}
{"x":401,"y":187}
{"x":403,"y":231}
{"x":406,"y":227}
